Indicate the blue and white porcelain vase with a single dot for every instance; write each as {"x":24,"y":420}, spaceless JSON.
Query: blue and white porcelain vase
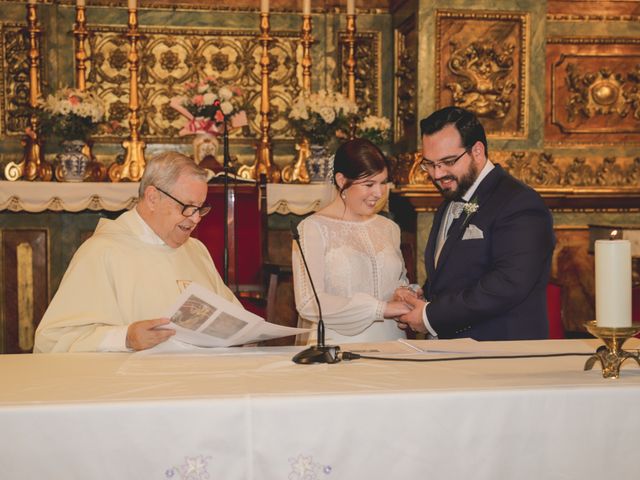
{"x":320,"y":164}
{"x":73,"y":161}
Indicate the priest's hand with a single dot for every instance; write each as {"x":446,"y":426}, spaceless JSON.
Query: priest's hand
{"x":413,"y":319}
{"x":144,"y":334}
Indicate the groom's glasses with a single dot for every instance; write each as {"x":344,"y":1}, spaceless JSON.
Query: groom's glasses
{"x":188,"y":210}
{"x":429,"y":166}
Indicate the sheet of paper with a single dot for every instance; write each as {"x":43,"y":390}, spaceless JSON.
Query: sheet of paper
{"x":202,"y":318}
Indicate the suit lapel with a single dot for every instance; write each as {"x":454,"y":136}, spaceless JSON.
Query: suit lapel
{"x":430,"y":250}
{"x":482,"y":193}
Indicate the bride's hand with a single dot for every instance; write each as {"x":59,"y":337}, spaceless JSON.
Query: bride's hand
{"x":395,"y":309}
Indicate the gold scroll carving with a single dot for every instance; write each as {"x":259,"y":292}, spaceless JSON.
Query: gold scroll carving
{"x":171,"y":57}
{"x":367,"y":70}
{"x":486,"y":76}
{"x":405,"y":86}
{"x":593,"y":86}
{"x":540,"y":169}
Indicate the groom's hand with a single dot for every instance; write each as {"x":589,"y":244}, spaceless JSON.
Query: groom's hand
{"x":413,"y":319}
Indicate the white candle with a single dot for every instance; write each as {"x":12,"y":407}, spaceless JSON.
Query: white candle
{"x":613,"y":283}
{"x":351,"y":7}
{"x":80,"y":3}
{"x":133,"y":4}
{"x":306,"y":7}
{"x":264,"y":6}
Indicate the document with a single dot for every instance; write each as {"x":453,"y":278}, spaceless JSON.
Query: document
{"x":202,"y":318}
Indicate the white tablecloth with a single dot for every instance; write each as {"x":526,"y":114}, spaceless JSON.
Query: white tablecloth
{"x":252,"y":415}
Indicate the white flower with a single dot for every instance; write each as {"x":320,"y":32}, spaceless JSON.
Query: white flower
{"x":225,"y":93}
{"x":209,"y":97}
{"x":328,"y":114}
{"x":226,"y":107}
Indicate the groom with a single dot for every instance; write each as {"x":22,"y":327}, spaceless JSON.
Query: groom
{"x":489,"y":252}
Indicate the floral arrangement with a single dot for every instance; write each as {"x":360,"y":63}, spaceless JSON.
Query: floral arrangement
{"x":207,"y":104}
{"x":375,"y":129}
{"x":71,"y":114}
{"x":321,"y":117}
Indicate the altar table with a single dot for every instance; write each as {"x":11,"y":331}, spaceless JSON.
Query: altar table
{"x":253,"y":414}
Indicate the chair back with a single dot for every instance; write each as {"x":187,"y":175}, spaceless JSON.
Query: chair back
{"x":554,"y":311}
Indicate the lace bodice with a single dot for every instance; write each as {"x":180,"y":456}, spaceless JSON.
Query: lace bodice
{"x":356,"y":266}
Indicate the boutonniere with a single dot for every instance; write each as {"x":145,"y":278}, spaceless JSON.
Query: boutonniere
{"x":470,"y":208}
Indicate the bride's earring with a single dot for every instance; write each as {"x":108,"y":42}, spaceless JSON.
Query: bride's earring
{"x":343,"y":195}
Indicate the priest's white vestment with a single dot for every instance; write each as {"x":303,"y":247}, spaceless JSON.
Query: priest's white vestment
{"x":122,"y":274}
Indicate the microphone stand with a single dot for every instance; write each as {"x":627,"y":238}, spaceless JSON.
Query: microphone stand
{"x":319,"y":353}
{"x":225,"y":178}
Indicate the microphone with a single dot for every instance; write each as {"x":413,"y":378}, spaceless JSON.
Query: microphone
{"x":319,"y":353}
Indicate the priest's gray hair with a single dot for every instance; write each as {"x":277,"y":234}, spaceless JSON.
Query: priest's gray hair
{"x":163,"y":170}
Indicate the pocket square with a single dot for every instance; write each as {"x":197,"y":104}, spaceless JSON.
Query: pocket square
{"x":472,"y":233}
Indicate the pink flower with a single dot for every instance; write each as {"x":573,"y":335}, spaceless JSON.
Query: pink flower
{"x":219,"y":116}
{"x":198,"y":100}
{"x":73,"y":100}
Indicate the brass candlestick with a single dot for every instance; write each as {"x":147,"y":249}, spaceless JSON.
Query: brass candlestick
{"x":306,"y":40}
{"x":297,"y":171}
{"x":351,"y":57}
{"x":611,"y":355}
{"x":32,"y":166}
{"x":264,"y":155}
{"x":80,"y":33}
{"x":95,"y":170}
{"x":133,"y":166}
{"x":351,"y":67}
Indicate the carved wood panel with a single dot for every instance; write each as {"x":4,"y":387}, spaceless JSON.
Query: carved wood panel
{"x":481,"y":61}
{"x":24,"y":288}
{"x":594,"y":90}
{"x":367,"y":73}
{"x":405,"y":86}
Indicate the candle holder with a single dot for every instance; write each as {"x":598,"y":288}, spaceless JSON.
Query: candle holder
{"x":134,"y":162}
{"x":32,"y":166}
{"x":611,"y":355}
{"x":351,"y":67}
{"x":264,"y":155}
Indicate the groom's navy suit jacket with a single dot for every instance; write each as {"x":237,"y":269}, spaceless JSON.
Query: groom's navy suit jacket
{"x":492,"y":288}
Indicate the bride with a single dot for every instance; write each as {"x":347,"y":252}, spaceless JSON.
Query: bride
{"x":353,"y":254}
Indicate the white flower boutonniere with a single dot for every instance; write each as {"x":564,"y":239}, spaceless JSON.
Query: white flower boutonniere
{"x":470,"y":208}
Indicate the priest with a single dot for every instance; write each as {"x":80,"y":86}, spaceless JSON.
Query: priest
{"x":124,"y":278}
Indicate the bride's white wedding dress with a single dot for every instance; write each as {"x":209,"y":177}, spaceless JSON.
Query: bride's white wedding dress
{"x":356,"y":266}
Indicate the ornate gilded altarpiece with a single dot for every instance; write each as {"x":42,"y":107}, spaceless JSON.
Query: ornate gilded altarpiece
{"x":171,"y":57}
{"x":367,"y":53}
{"x":481,"y":65}
{"x":14,"y":78}
{"x":594,"y":91}
{"x":406,"y":78}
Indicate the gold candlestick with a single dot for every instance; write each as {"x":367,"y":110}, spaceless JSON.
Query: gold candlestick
{"x":297,"y":172}
{"x":351,"y":58}
{"x":133,"y":166}
{"x":306,"y":40}
{"x":351,"y":67}
{"x":611,"y":355}
{"x":264,"y":155}
{"x":32,"y":166}
{"x":80,"y":33}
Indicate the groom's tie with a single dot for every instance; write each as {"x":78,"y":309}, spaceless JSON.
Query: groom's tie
{"x":454,"y":210}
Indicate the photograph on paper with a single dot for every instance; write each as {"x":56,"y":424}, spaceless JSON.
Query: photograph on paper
{"x":202,"y":318}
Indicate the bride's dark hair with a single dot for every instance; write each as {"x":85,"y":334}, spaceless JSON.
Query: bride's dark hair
{"x":356,"y":159}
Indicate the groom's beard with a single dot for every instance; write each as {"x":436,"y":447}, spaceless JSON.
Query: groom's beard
{"x":463,"y":184}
